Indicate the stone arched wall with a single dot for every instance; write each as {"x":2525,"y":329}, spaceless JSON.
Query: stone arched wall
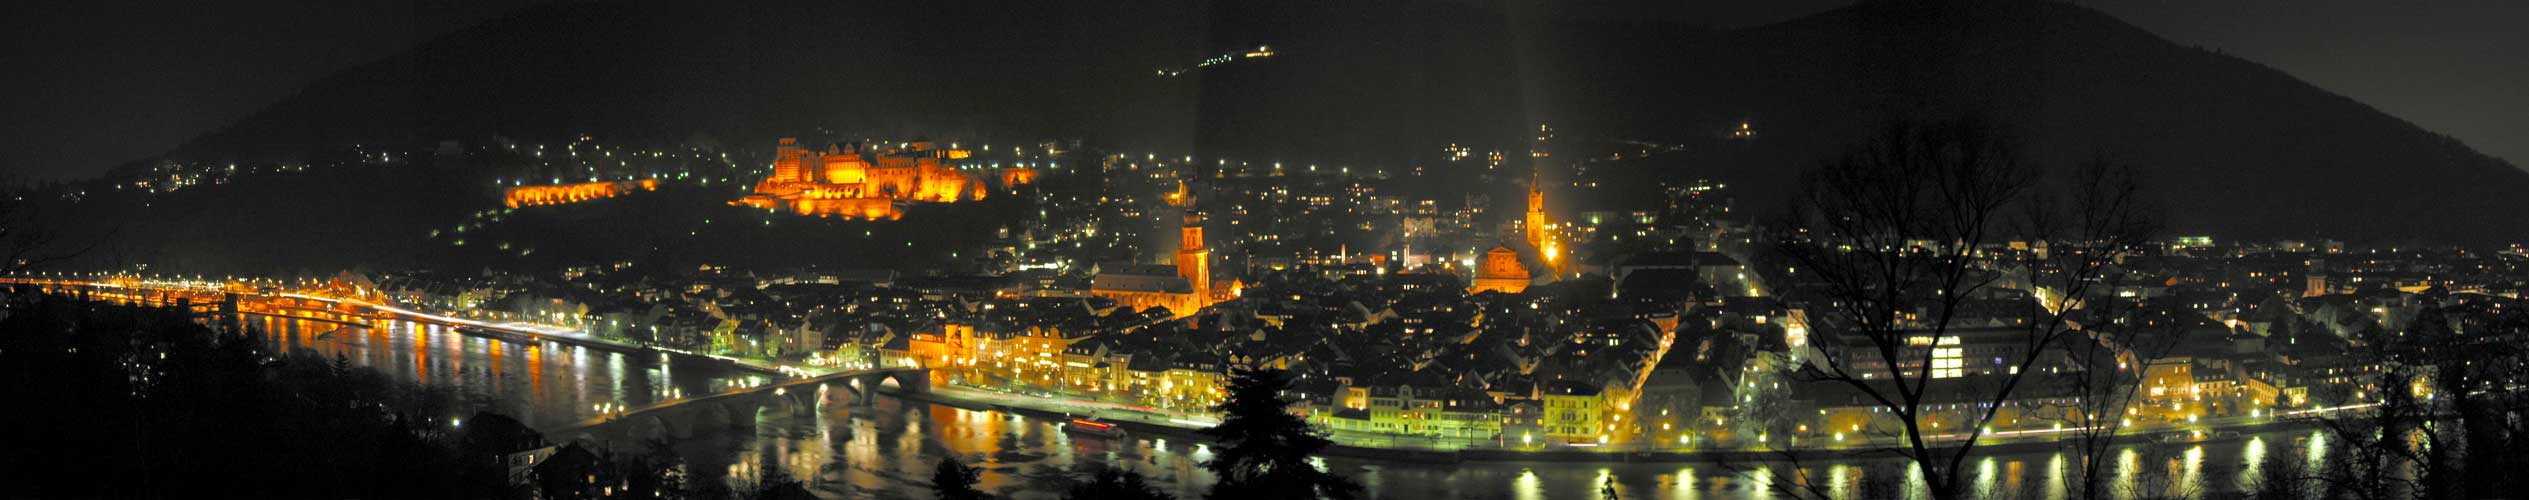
{"x":911,"y":381}
{"x":650,"y":427}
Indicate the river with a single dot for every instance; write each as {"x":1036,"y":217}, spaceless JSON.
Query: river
{"x":890,"y":450}
{"x":545,"y":385}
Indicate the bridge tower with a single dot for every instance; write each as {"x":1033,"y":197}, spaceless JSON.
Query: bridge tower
{"x":228,"y":313}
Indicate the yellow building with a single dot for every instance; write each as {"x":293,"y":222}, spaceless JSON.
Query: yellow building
{"x":1033,"y":356}
{"x":1189,"y":385}
{"x":1846,"y":416}
{"x":1574,"y":412}
{"x":1407,"y":410}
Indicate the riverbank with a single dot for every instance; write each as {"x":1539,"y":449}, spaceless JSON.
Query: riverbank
{"x":1348,"y":444}
{"x":1137,"y":422}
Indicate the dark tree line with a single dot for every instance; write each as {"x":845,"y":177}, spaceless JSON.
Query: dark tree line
{"x":656,"y":471}
{"x":119,"y":401}
{"x":2450,"y":420}
{"x":115,"y":401}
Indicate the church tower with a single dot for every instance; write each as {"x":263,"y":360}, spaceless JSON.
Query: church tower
{"x":1536,"y":224}
{"x":1194,"y":261}
{"x":1541,"y":236}
{"x":1180,"y":198}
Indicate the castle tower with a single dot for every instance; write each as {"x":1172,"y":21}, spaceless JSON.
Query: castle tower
{"x":843,"y":165}
{"x":786,"y":166}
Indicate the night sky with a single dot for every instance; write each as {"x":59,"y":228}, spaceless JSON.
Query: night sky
{"x":94,"y":83}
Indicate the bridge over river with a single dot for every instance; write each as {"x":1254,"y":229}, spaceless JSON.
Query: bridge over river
{"x":673,"y":414}
{"x":682,"y":418}
{"x":216,"y":300}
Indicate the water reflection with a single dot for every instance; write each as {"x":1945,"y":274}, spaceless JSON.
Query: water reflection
{"x":2252,"y":456}
{"x":888,"y":451}
{"x":556,"y":385}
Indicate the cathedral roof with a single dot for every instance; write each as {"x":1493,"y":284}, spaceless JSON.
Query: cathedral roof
{"x":1140,"y":278}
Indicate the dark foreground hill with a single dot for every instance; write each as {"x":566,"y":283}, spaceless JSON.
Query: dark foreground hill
{"x":2234,"y":148}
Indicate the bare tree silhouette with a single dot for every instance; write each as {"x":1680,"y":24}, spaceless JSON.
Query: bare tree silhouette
{"x":1888,"y":242}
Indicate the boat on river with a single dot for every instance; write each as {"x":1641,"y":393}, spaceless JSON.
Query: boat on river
{"x":503,"y":335}
{"x":1092,"y":426}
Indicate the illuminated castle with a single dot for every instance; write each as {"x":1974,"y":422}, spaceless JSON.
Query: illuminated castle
{"x":528,"y":196}
{"x":848,"y":181}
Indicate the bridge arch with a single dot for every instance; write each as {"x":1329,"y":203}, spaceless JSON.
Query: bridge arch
{"x":713,"y":415}
{"x":796,"y":401}
{"x":648,"y":427}
{"x":907,"y":380}
{"x":739,"y":412}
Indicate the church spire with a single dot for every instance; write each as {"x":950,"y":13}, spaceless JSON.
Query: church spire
{"x":1540,"y":234}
